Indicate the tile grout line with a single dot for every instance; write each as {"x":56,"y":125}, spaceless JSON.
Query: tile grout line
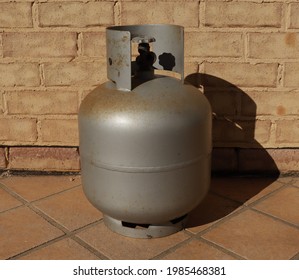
{"x":51,"y":221}
{"x":37,"y":247}
{"x":260,"y":200}
{"x":275,"y":218}
{"x":15,"y":195}
{"x":19,"y":197}
{"x":244,"y":203}
{"x":226,"y":197}
{"x":13,"y":208}
{"x":283,"y":186}
{"x":53,"y":194}
{"x":195,"y":236}
{"x":67,"y":234}
{"x":244,"y":207}
{"x":266,"y":196}
{"x":181,"y":244}
{"x":192,"y":236}
{"x":292,"y":185}
{"x":172,"y":248}
{"x":222,"y":220}
{"x":220,"y":248}
{"x":223,"y":249}
{"x":89,"y":247}
{"x":23,"y":200}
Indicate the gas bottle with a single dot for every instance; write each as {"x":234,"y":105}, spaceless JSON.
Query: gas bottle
{"x":145,"y":138}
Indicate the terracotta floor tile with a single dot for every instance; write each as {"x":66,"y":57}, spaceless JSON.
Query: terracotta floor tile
{"x":118,"y":247}
{"x":70,"y":209}
{"x":210,"y":210}
{"x":22,"y":229}
{"x":250,"y":234}
{"x":243,"y":189}
{"x":256,"y":236}
{"x":66,"y":249}
{"x":283,"y":204}
{"x":197,"y":250}
{"x":7,"y":201}
{"x":35,"y":187}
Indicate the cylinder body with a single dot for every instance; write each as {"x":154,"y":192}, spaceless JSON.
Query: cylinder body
{"x":145,"y":153}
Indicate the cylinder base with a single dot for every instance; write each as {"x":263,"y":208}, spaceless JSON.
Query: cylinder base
{"x":145,"y":230}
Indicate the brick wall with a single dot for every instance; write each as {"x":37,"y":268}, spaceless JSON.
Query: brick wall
{"x":244,"y":54}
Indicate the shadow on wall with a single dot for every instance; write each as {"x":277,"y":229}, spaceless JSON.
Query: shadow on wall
{"x":242,"y":153}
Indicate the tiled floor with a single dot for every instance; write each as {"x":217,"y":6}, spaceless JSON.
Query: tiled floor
{"x":48,"y":217}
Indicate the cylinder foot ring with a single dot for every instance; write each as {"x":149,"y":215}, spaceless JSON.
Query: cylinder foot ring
{"x":145,"y":230}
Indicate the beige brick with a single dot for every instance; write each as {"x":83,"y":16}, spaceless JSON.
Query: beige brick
{"x":19,"y":74}
{"x":15,"y":15}
{"x":76,"y":14}
{"x":294,"y":19}
{"x":262,"y":131}
{"x":242,"y":14}
{"x":18,"y":130}
{"x":42,"y":102}
{"x":222,"y":101}
{"x":40,"y":44}
{"x":275,"y":103}
{"x":256,"y":160}
{"x":185,"y":14}
{"x":44,"y":158}
{"x":291,"y":74}
{"x":2,"y":158}
{"x":60,"y":132}
{"x":225,"y":131}
{"x":213,"y":44}
{"x":241,"y":74}
{"x":75,"y":73}
{"x":287,"y":131}
{"x":287,"y":160}
{"x":94,"y":44}
{"x":282,"y":160}
{"x":224,"y":159}
{"x":274,"y":45}
{"x":190,"y":68}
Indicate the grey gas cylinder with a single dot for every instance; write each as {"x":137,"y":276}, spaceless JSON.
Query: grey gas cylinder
{"x":145,"y":139}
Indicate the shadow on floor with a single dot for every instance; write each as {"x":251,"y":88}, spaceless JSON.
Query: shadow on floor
{"x":234,"y":125}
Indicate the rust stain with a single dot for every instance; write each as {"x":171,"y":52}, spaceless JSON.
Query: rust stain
{"x":125,"y":39}
{"x":280,"y":110}
{"x":291,"y":39}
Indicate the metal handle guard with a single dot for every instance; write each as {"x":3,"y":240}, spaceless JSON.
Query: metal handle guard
{"x":169,"y":42}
